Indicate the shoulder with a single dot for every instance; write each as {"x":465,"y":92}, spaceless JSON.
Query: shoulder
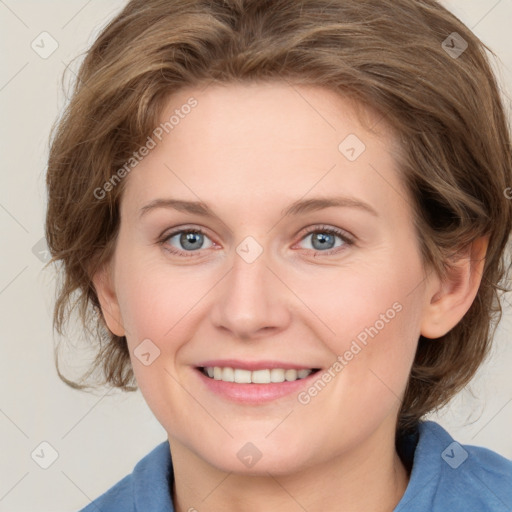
{"x":447,"y":475}
{"x":146,"y":489}
{"x":117,"y":498}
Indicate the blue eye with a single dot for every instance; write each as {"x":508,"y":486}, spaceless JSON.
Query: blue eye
{"x":324,"y":238}
{"x":192,"y":240}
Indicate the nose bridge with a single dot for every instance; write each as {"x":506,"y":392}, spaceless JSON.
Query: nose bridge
{"x":250,"y":298}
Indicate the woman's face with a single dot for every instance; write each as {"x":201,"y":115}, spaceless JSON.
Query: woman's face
{"x":340,"y":288}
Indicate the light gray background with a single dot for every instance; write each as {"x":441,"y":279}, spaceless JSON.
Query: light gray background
{"x":99,"y":437}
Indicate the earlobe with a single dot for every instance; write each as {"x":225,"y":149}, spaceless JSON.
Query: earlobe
{"x":103,"y":284}
{"x":450,"y":299}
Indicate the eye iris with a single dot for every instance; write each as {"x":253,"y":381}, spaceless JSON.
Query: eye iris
{"x":323,"y":239}
{"x":186,"y":238}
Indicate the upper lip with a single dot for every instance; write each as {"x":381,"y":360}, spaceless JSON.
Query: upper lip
{"x":254,"y":365}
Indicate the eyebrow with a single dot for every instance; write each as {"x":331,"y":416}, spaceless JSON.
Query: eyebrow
{"x":300,"y":207}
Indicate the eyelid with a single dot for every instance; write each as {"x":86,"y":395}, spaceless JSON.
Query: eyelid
{"x":167,"y":234}
{"x":344,"y":235}
{"x":347,"y":238}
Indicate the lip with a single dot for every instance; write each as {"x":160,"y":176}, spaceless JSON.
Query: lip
{"x":254,"y":365}
{"x":254,"y":394}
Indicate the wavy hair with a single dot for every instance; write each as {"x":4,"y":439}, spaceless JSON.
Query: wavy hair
{"x":393,"y":56}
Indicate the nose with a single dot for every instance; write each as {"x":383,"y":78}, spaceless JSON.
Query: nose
{"x":252,"y":300}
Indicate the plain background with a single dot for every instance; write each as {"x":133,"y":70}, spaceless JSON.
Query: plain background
{"x":99,"y":437}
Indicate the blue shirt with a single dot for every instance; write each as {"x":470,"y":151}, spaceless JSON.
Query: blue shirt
{"x":445,"y":476}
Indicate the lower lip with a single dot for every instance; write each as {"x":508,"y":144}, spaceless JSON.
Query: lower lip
{"x":255,"y":393}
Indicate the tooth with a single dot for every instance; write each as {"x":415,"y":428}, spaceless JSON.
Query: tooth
{"x":228,"y":375}
{"x":261,"y":376}
{"x":277,"y":375}
{"x":266,"y":376}
{"x":290,"y":375}
{"x":242,"y":376}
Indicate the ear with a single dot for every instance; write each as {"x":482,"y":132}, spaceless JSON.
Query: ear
{"x":103,"y":284}
{"x":449,"y":300}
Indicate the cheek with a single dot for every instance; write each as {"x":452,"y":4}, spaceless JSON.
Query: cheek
{"x":160,"y":304}
{"x":372,"y":318}
{"x":158,"y":317}
{"x":152,"y":296}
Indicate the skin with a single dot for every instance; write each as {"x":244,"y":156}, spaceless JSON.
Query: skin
{"x":249,"y":151}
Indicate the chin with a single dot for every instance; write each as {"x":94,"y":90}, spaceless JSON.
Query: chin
{"x":248,"y":459}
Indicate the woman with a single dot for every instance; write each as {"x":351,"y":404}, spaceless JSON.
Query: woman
{"x":287,"y":222}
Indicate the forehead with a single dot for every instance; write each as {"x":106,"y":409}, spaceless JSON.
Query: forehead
{"x":242,"y":144}
{"x":252,"y":113}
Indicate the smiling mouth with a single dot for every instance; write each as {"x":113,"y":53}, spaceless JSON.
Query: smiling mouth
{"x":264,"y":376}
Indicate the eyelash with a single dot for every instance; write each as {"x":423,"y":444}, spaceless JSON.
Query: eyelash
{"x":348,"y":241}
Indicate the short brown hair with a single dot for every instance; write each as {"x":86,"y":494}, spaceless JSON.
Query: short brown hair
{"x":388,"y":55}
